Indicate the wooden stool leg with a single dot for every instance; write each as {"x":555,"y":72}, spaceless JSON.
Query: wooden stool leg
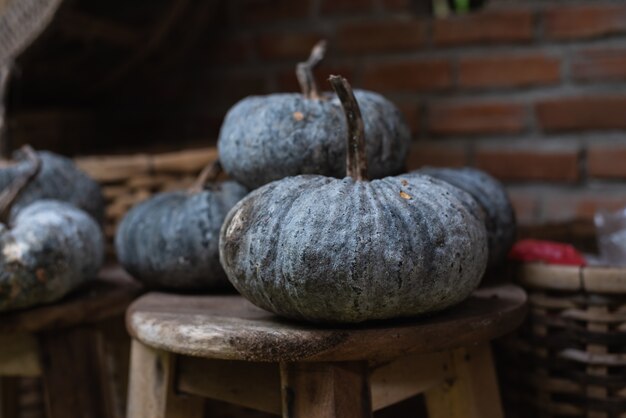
{"x":151,"y":387}
{"x":473,"y":392}
{"x":9,"y":393}
{"x":72,"y":367}
{"x":325,"y":390}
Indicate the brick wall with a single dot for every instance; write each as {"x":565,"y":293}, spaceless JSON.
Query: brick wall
{"x":533,"y":92}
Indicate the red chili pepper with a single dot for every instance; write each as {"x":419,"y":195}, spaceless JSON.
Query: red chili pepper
{"x":547,"y":251}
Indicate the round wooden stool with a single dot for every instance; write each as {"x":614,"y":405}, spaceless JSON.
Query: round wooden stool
{"x":224,"y":348}
{"x":78,"y":346}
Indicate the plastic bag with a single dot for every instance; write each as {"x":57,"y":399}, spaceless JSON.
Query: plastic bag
{"x":611,"y":235}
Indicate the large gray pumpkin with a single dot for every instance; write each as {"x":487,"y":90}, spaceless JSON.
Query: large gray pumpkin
{"x":50,"y":248}
{"x":351,"y":250}
{"x":58,"y":179}
{"x":266,"y":138}
{"x":171,"y":240}
{"x":492,"y":198}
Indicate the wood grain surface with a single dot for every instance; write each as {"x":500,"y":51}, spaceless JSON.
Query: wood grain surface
{"x":230,"y":328}
{"x":99,"y":299}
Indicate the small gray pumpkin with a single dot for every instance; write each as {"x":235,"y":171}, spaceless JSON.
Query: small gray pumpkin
{"x":49,"y":249}
{"x":266,"y":138}
{"x":492,"y":198}
{"x":58,"y":179}
{"x":171,"y":240}
{"x":351,"y":250}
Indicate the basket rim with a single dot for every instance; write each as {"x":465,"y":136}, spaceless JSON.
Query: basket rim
{"x":600,"y":279}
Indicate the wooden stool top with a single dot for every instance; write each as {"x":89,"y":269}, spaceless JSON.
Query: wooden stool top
{"x":99,"y":299}
{"x":231,"y":328}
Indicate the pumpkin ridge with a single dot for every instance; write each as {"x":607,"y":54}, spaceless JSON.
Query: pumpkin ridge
{"x":411,"y":219}
{"x":296,"y":220}
{"x":389,"y":226}
{"x":267,"y":231}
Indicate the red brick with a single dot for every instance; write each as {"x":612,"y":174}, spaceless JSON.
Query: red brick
{"x":599,"y":64}
{"x":588,"y":205}
{"x":526,"y":206}
{"x":582,"y":113}
{"x":229,"y":88}
{"x":265,"y":11}
{"x":584,"y":21}
{"x":436,"y":155}
{"x":530,"y":163}
{"x":399,"y":5}
{"x":408,"y":75}
{"x":508,"y":71}
{"x":581,"y":205}
{"x":381,"y":36}
{"x":476,"y":118}
{"x":606,"y":161}
{"x":230,"y":50}
{"x":503,"y":26}
{"x":287,"y":45}
{"x":331,"y":7}
{"x":287,"y":80}
{"x":411,"y":112}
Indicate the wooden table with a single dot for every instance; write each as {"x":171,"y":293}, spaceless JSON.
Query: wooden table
{"x":77,"y":345}
{"x":222,"y":347}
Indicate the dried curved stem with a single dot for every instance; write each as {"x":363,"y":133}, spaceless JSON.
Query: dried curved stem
{"x":356,"y":157}
{"x":207,"y":175}
{"x":304,"y":71}
{"x":10,"y":194}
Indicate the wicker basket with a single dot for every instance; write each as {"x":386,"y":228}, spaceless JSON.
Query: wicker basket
{"x":129,"y":179}
{"x":569,"y":357}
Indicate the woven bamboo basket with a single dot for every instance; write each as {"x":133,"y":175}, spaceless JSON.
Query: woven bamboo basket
{"x":569,"y":357}
{"x":127,"y":180}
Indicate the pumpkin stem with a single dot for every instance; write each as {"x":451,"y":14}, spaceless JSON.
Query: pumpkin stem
{"x":13,"y":190}
{"x":207,"y":175}
{"x":304,"y":71}
{"x":356,"y":158}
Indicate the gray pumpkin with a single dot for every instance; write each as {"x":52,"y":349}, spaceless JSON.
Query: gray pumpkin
{"x":351,"y":250}
{"x":266,"y":138}
{"x":58,"y":179}
{"x":171,"y":240}
{"x":50,"y":248}
{"x":492,"y":198}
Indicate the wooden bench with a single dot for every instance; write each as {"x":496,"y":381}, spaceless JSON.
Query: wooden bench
{"x":186,"y":348}
{"x":78,"y":346}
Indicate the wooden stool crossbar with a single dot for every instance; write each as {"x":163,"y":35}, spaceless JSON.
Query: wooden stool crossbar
{"x":186,"y":348}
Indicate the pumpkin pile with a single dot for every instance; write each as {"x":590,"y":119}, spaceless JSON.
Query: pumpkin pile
{"x":50,"y":241}
{"x":332,"y":231}
{"x":349,"y":250}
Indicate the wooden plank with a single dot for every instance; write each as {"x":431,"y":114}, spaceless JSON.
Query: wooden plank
{"x":604,"y":279}
{"x":408,"y":376}
{"x":9,"y":397}
{"x":189,"y":161}
{"x":71,"y":361}
{"x":97,"y":300}
{"x":229,"y":381}
{"x":115,"y":363}
{"x":325,"y":390}
{"x":545,"y":276}
{"x":114,"y":168}
{"x":473,"y":393}
{"x":151,"y":393}
{"x":231,"y":328}
{"x":19,"y":355}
